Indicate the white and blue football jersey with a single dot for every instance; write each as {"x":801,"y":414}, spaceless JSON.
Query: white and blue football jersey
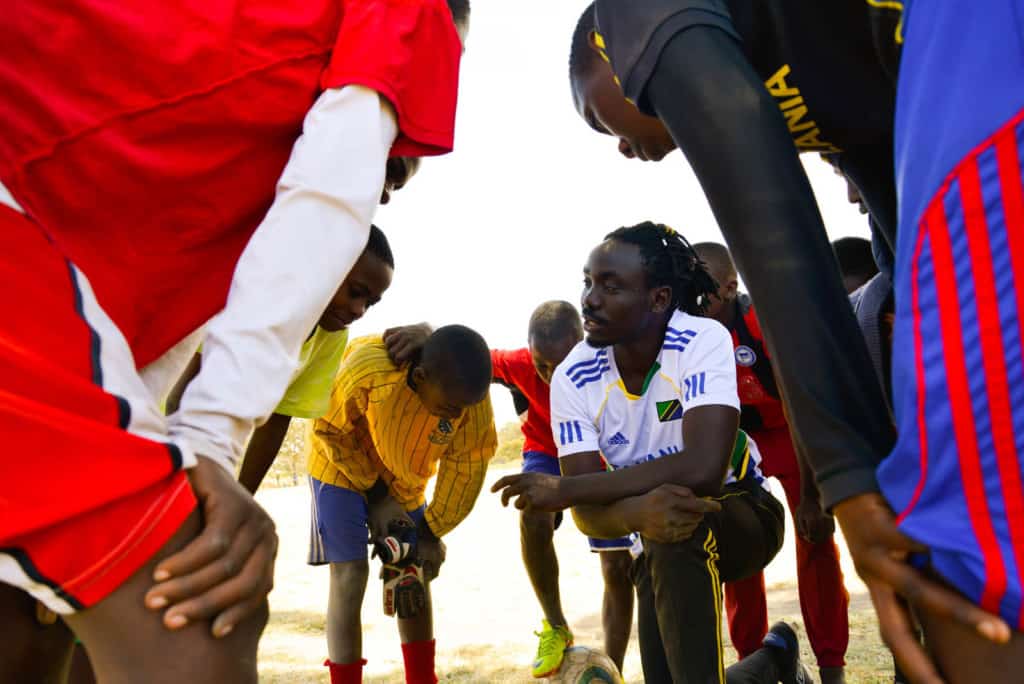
{"x":591,"y":409}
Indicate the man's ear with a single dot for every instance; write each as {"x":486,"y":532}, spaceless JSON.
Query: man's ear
{"x":732,"y":289}
{"x":419,"y":376}
{"x":661,"y":299}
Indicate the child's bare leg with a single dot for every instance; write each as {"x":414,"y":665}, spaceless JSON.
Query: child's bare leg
{"x":344,"y":622}
{"x":617,"y":607}
{"x":32,"y":651}
{"x":421,"y":627}
{"x":536,"y":533}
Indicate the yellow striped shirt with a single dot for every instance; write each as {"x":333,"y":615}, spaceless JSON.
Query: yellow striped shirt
{"x":377,"y":427}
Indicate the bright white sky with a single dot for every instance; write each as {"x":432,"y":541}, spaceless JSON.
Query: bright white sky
{"x":483,"y":235}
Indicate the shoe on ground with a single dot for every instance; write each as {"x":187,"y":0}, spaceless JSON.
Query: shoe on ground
{"x":782,"y":638}
{"x":550,"y":649}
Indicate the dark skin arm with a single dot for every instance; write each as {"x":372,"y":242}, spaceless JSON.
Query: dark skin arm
{"x":668,"y":513}
{"x":266,"y":440}
{"x":262,"y":450}
{"x":405,"y":342}
{"x":191,"y":371}
{"x":729,"y":128}
{"x":601,"y":521}
{"x":709,"y":433}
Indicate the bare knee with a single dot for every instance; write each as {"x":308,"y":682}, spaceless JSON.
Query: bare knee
{"x":537,"y":525}
{"x":349,"y":579}
{"x":615,"y":567}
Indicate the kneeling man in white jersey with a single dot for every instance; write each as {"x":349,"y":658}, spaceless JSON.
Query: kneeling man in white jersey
{"x":652,"y":390}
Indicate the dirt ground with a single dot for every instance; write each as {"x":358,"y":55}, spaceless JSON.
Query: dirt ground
{"x":484,"y":608}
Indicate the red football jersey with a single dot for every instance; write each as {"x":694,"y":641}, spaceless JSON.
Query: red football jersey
{"x":146,"y":138}
{"x":516,"y":368}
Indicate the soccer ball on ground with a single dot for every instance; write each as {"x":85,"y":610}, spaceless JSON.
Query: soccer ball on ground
{"x":582,"y":665}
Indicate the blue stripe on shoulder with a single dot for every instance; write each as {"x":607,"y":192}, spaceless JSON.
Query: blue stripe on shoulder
{"x":680,"y":335}
{"x":589,"y":376}
{"x":601,"y":354}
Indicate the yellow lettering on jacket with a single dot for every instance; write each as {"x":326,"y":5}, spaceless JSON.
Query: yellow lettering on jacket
{"x":805,"y":132}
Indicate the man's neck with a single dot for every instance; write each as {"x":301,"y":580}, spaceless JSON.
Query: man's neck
{"x":635,"y":358}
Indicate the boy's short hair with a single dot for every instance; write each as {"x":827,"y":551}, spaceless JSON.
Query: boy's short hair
{"x":581,"y":56}
{"x":460,"y":10}
{"x":716,"y":256}
{"x":855,"y":257}
{"x":461,"y":356}
{"x":379,"y":246}
{"x":555,"y":320}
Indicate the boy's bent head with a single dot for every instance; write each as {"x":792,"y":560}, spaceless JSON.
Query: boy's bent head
{"x":555,"y":328}
{"x":599,"y":100}
{"x":364,"y":285}
{"x":856,"y":261}
{"x":719,"y":264}
{"x":454,"y":371}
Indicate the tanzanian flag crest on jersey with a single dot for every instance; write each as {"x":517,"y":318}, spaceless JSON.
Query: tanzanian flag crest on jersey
{"x":669,"y":410}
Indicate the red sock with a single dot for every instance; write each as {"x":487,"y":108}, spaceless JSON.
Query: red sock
{"x":419,"y":662}
{"x":346,"y":673}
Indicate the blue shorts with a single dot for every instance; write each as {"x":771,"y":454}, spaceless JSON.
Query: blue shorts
{"x":955,"y":476}
{"x":539,"y":462}
{"x":339,"y":531}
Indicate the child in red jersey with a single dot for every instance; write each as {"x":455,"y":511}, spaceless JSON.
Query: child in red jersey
{"x":155,"y":190}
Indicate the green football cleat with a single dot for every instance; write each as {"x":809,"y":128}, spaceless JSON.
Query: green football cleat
{"x":553,"y":642}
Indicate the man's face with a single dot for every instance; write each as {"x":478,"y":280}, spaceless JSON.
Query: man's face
{"x":439,"y":397}
{"x":853,"y":196}
{"x":617,"y":304}
{"x":602,"y":105}
{"x":547,"y":354}
{"x":363,"y":288}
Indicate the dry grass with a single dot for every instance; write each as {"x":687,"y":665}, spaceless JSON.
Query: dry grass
{"x":485,"y":611}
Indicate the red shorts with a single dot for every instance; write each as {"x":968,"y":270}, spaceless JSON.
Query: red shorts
{"x":89,"y":487}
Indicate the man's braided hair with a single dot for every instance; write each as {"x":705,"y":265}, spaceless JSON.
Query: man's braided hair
{"x":670,"y":261}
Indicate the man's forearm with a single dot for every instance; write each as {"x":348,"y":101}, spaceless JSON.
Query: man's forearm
{"x":605,"y":522}
{"x":702,"y":477}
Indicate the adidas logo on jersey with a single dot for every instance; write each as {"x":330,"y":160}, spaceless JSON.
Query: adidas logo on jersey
{"x":618,"y":439}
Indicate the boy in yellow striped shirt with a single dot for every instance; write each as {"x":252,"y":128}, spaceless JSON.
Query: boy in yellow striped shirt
{"x":390,"y":429}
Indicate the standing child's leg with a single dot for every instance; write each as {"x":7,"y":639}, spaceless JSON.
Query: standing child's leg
{"x":338,"y":536}
{"x":344,"y":622}
{"x":536,"y":531}
{"x":617,"y":608}
{"x":536,"y":534}
{"x":418,"y":644}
